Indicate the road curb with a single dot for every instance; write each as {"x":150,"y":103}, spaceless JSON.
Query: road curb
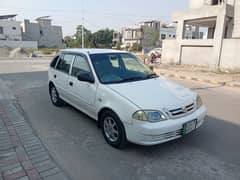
{"x":223,"y":83}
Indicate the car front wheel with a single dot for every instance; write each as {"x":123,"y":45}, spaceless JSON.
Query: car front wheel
{"x":113,"y":130}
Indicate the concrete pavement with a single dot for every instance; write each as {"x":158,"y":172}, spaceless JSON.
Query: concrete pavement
{"x":77,"y":144}
{"x":24,"y":65}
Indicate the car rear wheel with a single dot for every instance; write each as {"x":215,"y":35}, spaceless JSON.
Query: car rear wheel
{"x":113,"y":130}
{"x":54,"y":96}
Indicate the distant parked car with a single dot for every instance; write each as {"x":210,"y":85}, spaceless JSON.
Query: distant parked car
{"x":129,"y":101}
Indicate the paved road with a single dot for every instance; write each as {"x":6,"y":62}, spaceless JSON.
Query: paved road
{"x":212,"y":152}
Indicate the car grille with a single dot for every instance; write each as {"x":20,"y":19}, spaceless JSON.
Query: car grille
{"x":169,"y":135}
{"x":180,"y":112}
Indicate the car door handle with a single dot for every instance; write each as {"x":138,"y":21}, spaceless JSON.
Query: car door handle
{"x":55,"y":76}
{"x":71,"y":83}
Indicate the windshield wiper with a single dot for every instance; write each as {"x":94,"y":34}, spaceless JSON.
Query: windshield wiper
{"x":130,"y":79}
{"x":153,"y":75}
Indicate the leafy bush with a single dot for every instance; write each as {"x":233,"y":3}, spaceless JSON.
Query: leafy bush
{"x":48,"y":51}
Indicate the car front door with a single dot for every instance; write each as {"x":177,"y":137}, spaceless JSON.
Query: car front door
{"x":82,"y":93}
{"x":61,"y":74}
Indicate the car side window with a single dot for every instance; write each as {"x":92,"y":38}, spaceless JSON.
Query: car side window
{"x":64,"y":63}
{"x":80,"y":65}
{"x":54,"y":62}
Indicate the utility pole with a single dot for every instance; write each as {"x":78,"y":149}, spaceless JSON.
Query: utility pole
{"x":82,"y":23}
{"x":82,"y":33}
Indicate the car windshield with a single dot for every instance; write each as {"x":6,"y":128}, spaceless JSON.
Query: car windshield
{"x":119,"y":68}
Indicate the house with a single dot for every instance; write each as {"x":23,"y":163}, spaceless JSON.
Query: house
{"x":208,"y":34}
{"x":11,"y":34}
{"x":117,"y":39}
{"x":43,"y":32}
{"x":145,"y":34}
{"x":167,"y":31}
{"x":132,"y":35}
{"x":148,"y":34}
{"x":10,"y":29}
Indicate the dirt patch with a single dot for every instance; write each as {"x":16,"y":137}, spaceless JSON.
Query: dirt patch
{"x":14,"y":53}
{"x":19,"y":53}
{"x":4,"y":52}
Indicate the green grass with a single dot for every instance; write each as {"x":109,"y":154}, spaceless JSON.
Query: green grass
{"x":48,"y":51}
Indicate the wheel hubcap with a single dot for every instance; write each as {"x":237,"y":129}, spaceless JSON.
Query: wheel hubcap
{"x":54,"y":95}
{"x":110,"y":129}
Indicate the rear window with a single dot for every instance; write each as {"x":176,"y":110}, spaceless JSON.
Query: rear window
{"x":54,"y":62}
{"x":64,"y":63}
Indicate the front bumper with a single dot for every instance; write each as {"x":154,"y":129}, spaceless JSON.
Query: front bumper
{"x":145,"y":133}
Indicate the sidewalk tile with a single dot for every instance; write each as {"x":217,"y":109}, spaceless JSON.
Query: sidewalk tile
{"x":27,"y":165}
{"x":15,"y":175}
{"x":58,"y":176}
{"x":33,"y":174}
{"x":50,"y":172}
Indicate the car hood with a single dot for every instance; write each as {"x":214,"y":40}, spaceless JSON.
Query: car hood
{"x":155,"y":94}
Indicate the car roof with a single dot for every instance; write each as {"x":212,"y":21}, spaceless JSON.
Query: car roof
{"x":92,"y":51}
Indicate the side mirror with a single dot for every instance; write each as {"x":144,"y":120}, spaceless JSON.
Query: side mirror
{"x":85,"y":77}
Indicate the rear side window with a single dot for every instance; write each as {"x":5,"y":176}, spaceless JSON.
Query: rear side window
{"x":64,"y":63}
{"x":54,"y":62}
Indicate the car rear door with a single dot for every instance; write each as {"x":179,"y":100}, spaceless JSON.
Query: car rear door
{"x":61,"y":74}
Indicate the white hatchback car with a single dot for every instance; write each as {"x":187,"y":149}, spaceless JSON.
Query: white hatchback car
{"x":129,"y":101}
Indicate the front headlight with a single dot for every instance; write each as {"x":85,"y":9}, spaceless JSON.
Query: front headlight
{"x":199,"y":102}
{"x":151,"y":116}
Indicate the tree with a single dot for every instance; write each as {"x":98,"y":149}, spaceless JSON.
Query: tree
{"x":151,"y":37}
{"x":100,"y":39}
{"x":103,"y":38}
{"x":87,"y":37}
{"x":136,"y":47}
{"x":70,"y":42}
{"x":118,"y":45}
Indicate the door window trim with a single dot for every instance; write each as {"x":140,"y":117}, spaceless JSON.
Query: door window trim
{"x":85,"y":57}
{"x":62,"y":55}
{"x":54,"y":67}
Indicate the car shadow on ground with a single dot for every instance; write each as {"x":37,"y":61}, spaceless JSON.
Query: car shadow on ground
{"x":216,"y":136}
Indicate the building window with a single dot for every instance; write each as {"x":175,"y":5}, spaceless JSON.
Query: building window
{"x":14,"y":28}
{"x":41,"y":32}
{"x":216,"y":2}
{"x":174,"y":36}
{"x":203,"y":28}
{"x":170,"y":35}
{"x":163,"y":36}
{"x":1,"y":30}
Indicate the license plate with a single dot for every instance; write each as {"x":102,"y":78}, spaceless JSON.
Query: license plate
{"x":189,"y":127}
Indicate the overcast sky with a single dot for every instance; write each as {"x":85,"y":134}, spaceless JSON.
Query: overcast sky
{"x":97,"y":13}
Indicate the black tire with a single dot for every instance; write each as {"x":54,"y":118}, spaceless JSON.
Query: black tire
{"x":121,"y":140}
{"x":54,"y":96}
